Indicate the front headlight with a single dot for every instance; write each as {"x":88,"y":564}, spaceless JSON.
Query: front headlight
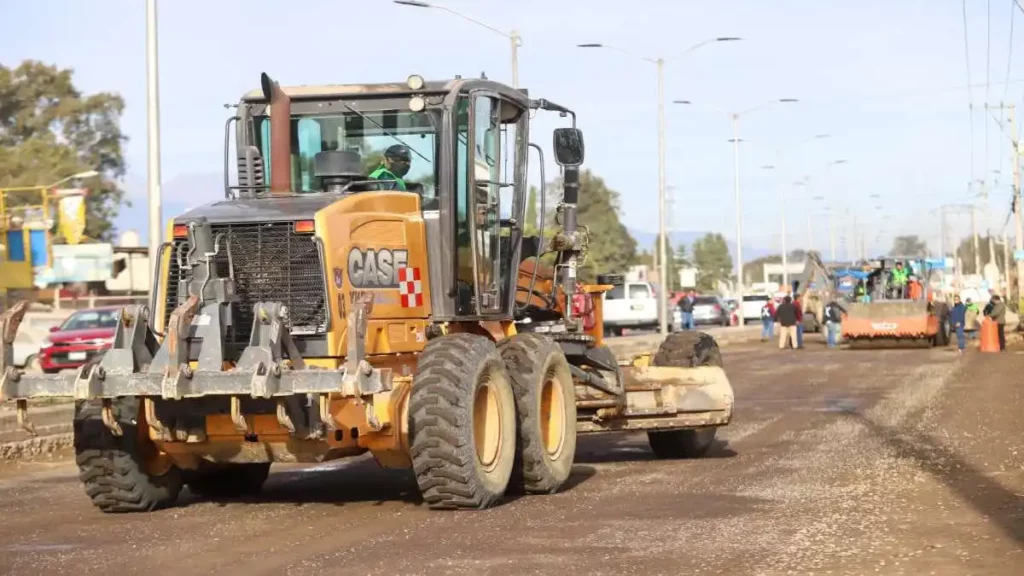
{"x":46,"y":343}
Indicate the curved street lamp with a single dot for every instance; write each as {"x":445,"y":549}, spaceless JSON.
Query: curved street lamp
{"x":735,"y":116}
{"x":514,"y":38}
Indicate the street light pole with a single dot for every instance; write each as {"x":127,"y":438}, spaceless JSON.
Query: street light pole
{"x":782,"y":208}
{"x":735,"y":117}
{"x":153,"y":137}
{"x":739,"y":211}
{"x":663,"y":241}
{"x":662,"y":249}
{"x":516,"y":41}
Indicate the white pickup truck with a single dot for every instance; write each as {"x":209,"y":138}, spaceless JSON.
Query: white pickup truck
{"x":631,"y":305}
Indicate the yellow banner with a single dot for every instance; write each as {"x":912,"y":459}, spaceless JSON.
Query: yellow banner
{"x":71,"y":210}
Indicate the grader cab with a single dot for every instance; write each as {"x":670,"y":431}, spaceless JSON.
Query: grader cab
{"x":317,"y":312}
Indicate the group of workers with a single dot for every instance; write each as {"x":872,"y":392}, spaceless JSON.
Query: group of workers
{"x":896,"y":283}
{"x":789,"y":315}
{"x":960,"y":313}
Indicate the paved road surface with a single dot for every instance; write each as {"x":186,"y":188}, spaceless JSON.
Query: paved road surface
{"x":838,"y":462}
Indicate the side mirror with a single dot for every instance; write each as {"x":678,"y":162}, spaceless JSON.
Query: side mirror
{"x":54,"y":329}
{"x":568,"y":146}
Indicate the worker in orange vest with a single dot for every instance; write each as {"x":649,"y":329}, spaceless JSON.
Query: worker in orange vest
{"x":915,"y":289}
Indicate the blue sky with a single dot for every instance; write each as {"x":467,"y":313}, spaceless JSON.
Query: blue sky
{"x":885,"y":78}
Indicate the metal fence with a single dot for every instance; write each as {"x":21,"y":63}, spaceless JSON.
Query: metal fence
{"x":84,"y":302}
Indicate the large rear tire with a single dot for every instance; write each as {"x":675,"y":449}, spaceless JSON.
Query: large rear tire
{"x":462,"y":423}
{"x":546,"y":409}
{"x":228,"y":480}
{"x":688,"y":349}
{"x":113,"y":468}
{"x":685,"y":350}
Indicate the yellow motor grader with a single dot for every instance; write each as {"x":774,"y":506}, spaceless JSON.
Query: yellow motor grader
{"x":346,"y":296}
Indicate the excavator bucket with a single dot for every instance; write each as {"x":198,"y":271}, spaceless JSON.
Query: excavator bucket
{"x":890,"y":322}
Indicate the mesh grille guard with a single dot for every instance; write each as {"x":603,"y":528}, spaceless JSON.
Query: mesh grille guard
{"x":271,"y":263}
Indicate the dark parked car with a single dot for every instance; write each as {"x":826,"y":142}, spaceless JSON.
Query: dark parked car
{"x":80,"y":338}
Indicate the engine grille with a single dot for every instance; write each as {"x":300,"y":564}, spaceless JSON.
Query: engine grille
{"x":271,"y":264}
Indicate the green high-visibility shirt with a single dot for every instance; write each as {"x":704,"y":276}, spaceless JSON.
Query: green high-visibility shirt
{"x":382,"y":173}
{"x":899,"y":277}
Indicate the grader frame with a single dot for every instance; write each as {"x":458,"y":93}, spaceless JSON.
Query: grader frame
{"x":477,"y":373}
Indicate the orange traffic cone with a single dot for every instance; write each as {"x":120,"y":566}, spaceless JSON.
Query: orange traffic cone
{"x":989,"y":336}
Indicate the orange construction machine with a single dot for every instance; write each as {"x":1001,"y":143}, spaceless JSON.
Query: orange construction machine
{"x":896,"y":305}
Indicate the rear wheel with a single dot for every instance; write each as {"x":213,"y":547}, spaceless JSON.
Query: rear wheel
{"x":546,"y":410}
{"x":685,"y":350}
{"x":462,"y":423}
{"x":228,"y":480}
{"x":121,"y":473}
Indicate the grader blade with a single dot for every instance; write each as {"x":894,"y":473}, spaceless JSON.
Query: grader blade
{"x":667,"y":397}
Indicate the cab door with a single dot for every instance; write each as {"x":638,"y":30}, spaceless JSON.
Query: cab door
{"x":485,"y":178}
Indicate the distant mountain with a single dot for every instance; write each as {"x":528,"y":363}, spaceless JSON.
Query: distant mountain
{"x":646,"y":241}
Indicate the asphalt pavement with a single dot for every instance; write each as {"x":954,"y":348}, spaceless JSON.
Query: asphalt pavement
{"x":837,"y":462}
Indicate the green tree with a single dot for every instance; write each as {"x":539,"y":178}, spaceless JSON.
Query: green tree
{"x":683,"y":256}
{"x":909,"y":246}
{"x":678,"y":257}
{"x":50,"y":130}
{"x":714,"y":264}
{"x":645,"y":258}
{"x":611,"y":248}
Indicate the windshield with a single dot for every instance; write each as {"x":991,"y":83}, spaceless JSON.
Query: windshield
{"x":91,"y":320}
{"x":369,"y":133}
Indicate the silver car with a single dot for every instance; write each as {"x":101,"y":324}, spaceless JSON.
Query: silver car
{"x":710,"y":310}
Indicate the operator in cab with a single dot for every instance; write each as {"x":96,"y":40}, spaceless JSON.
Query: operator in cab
{"x":393,"y":168}
{"x":898,"y":280}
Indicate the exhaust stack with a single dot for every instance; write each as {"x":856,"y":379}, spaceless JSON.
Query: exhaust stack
{"x":280,"y":135}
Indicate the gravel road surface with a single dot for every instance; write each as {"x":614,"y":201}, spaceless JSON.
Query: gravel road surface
{"x":837,"y":462}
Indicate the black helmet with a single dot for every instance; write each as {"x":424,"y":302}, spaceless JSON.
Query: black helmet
{"x":398,"y":152}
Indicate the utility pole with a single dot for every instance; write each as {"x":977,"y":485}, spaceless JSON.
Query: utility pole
{"x":974,"y":233}
{"x":1018,"y":226}
{"x":942,"y":231}
{"x":1006,"y":263}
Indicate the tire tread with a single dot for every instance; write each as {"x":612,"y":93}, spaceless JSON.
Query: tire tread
{"x":111,"y":469}
{"x":440,"y":428}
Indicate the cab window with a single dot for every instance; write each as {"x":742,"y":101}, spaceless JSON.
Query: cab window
{"x":369,"y":134}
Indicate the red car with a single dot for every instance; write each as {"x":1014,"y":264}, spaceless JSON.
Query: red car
{"x":79,"y":339}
